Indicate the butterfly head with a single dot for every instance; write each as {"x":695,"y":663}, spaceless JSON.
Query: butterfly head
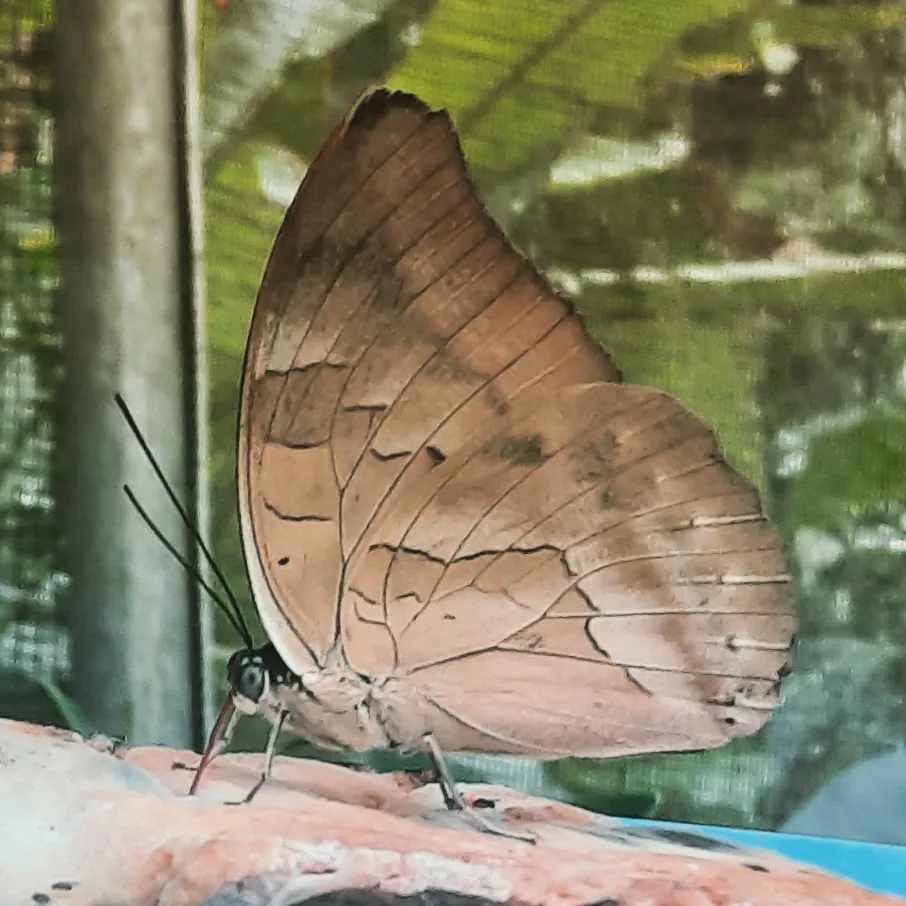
{"x":255,"y":675}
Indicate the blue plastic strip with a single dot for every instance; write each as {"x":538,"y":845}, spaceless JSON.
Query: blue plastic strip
{"x":878,"y":866}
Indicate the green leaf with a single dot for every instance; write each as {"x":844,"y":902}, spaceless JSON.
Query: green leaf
{"x":832,"y":26}
{"x":520,"y":85}
{"x":71,"y":713}
{"x":22,"y":700}
{"x":853,"y":471}
{"x":254,"y":44}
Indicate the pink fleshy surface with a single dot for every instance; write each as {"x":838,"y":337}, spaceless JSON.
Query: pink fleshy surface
{"x":118,"y":828}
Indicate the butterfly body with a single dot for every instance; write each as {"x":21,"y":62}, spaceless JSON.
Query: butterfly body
{"x":334,"y":709}
{"x":331,"y":707}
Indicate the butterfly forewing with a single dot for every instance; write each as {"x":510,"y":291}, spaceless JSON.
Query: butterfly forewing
{"x":326,"y":294}
{"x":442,"y":478}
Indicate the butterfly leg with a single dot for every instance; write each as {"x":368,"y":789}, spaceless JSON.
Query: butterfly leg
{"x":454,"y":799}
{"x":269,"y":754}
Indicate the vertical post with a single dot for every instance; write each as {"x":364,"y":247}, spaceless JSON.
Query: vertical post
{"x":207,"y":686}
{"x":128,"y":308}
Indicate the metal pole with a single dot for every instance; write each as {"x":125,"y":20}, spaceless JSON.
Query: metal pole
{"x":128,"y":312}
{"x":206,"y":684}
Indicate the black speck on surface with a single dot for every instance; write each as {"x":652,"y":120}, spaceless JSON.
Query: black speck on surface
{"x":40,"y":897}
{"x":63,"y":885}
{"x":756,"y":867}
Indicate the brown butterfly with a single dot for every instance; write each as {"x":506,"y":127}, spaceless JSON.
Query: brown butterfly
{"x":462,"y":531}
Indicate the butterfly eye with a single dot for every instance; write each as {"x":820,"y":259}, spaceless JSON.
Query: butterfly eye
{"x":251,"y":682}
{"x":247,"y":677}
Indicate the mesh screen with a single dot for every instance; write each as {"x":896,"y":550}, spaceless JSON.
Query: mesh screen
{"x":32,"y":640}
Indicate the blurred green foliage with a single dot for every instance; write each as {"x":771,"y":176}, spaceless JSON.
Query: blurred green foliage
{"x":784,"y":120}
{"x":834,"y":491}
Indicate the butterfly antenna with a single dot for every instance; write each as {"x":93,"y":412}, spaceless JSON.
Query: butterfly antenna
{"x":185,"y":563}
{"x":235,"y":612}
